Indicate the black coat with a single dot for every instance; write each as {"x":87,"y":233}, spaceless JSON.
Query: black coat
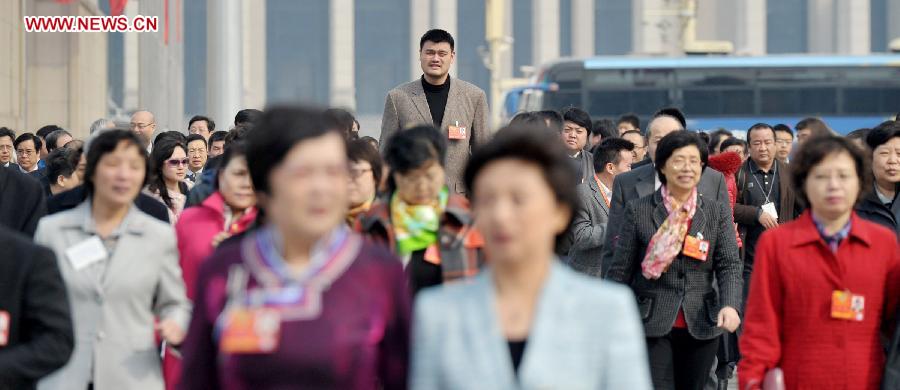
{"x":22,"y":201}
{"x":68,"y":200}
{"x":688,"y":283}
{"x":871,"y":208}
{"x":40,"y":323}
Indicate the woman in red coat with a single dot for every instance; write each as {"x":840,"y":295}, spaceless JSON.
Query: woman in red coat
{"x":228,"y":211}
{"x":824,"y":284}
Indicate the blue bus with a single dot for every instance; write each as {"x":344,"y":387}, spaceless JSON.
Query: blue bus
{"x":848,"y":92}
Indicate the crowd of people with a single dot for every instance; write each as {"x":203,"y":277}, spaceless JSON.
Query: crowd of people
{"x":558,"y":251}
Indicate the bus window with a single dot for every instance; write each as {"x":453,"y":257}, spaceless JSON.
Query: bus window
{"x":790,"y":101}
{"x":717,"y":101}
{"x":618,"y":102}
{"x":870,"y":100}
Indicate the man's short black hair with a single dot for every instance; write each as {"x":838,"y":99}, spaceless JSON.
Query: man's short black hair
{"x":281,"y":129}
{"x":814,"y":151}
{"x":43,"y":132}
{"x":437,"y":36}
{"x":210,"y":125}
{"x":882,"y":134}
{"x":609,"y":151}
{"x":247,"y":115}
{"x":734,"y":141}
{"x":343,"y":120}
{"x":362,"y":150}
{"x":716,"y":138}
{"x":674,"y":113}
{"x":674,"y":141}
{"x":759,"y":126}
{"x":783,"y":128}
{"x":62,"y":162}
{"x":859,"y":134}
{"x":816,"y":126}
{"x":196,"y":137}
{"x":217,"y":136}
{"x":6,"y":132}
{"x":631,"y":119}
{"x":578,"y":117}
{"x":605,"y":127}
{"x":54,"y":137}
{"x":28,"y":137}
{"x":554,"y":120}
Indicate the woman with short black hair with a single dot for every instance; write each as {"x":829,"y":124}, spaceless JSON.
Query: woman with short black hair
{"x":527,"y":321}
{"x":121,"y":271}
{"x":327,"y":309}
{"x":419,"y":219}
{"x":365,"y":176}
{"x":882,"y":204}
{"x":826,"y":282}
{"x":673,"y":244}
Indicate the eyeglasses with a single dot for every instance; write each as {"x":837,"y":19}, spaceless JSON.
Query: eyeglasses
{"x":25,"y":152}
{"x":6,"y":147}
{"x":681,"y":164}
{"x":356,"y":173}
{"x":141,"y":126}
{"x":176,"y":162}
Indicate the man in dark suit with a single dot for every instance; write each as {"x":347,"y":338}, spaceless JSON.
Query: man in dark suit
{"x":68,"y":200}
{"x":36,"y":335}
{"x":643,"y":181}
{"x":612,"y":157}
{"x":457,"y":108}
{"x":22,"y":201}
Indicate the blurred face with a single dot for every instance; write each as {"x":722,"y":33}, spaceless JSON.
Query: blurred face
{"x":421,"y":186}
{"x":625,"y":160}
{"x":79,"y":170}
{"x":625,"y":126}
{"x":362,"y":183}
{"x":119,"y":175}
{"x":436,"y":58}
{"x":308,"y":190}
{"x":516,"y":211}
{"x":143,"y":124}
{"x":217,"y":148}
{"x":196,"y":155}
{"x":762,"y":146}
{"x":200,"y":127}
{"x":574,"y":137}
{"x":235,"y":184}
{"x":659,"y":128}
{"x":640,"y":146}
{"x":6,"y":149}
{"x":886,"y":162}
{"x":683,"y":169}
{"x":65,"y":183}
{"x":175,"y":167}
{"x":63,"y":140}
{"x":832,"y":186}
{"x":803,"y":135}
{"x":784,"y":142}
{"x":737,"y":149}
{"x":27,"y":155}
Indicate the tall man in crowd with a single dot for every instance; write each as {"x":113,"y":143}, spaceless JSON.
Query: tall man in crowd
{"x":457,"y":108}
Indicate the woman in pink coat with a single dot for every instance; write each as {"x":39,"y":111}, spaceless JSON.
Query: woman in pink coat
{"x":228,"y":211}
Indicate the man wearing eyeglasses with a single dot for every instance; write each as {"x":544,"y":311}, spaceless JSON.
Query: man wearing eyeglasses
{"x":143,"y":123}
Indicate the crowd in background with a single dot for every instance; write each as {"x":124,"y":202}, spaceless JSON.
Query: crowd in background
{"x":558,"y":251}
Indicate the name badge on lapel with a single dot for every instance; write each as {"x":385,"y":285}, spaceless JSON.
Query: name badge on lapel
{"x":696,"y":247}
{"x":456,"y":132}
{"x":847,"y":306}
{"x":250,"y":330}
{"x":86,"y":253}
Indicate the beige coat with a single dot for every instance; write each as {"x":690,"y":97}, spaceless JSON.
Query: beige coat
{"x":113,"y":315}
{"x":406,"y":106}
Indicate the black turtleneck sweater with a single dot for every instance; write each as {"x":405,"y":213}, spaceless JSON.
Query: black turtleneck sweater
{"x":437,"y":99}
